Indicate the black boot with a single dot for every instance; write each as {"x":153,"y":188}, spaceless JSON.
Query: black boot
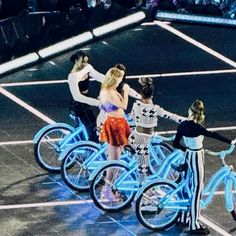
{"x":200,"y":231}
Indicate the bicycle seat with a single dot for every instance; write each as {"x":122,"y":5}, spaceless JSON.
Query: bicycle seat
{"x":179,"y":168}
{"x":129,"y":149}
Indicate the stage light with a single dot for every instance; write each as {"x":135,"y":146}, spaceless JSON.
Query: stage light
{"x":131,"y":19}
{"x":18,"y":62}
{"x":65,"y":45}
{"x":163,"y":15}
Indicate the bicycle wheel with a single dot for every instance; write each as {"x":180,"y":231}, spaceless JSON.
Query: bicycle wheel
{"x":150,"y":211}
{"x":75,"y":172}
{"x":158,"y":154}
{"x":47,"y":148}
{"x":120,"y":189}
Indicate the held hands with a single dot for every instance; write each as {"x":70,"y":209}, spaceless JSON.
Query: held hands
{"x":126,"y":88}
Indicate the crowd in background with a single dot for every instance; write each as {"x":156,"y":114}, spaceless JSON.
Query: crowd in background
{"x":28,"y":25}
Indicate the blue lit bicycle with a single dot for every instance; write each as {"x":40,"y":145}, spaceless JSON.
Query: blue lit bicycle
{"x":82,"y":159}
{"x":166,"y":201}
{"x":52,"y":140}
{"x":126,"y":182}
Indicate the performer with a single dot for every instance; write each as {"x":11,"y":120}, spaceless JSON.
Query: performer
{"x":115,"y":130}
{"x":145,"y":115}
{"x":132,"y":93}
{"x":79,"y":80}
{"x":193,"y":134}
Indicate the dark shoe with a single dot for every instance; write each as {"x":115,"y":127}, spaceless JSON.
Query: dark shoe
{"x":181,"y":224}
{"x":200,"y":231}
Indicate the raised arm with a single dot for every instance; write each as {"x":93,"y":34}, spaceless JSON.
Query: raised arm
{"x":95,"y":74}
{"x":134,"y":94}
{"x":215,"y":135}
{"x":73,"y":79}
{"x":168,"y":115}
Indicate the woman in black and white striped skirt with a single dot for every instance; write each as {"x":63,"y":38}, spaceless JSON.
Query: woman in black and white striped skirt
{"x":192,"y":132}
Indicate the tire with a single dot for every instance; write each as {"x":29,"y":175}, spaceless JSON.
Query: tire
{"x":147,"y":207}
{"x":47,"y":148}
{"x":74,"y":173}
{"x":124,"y":197}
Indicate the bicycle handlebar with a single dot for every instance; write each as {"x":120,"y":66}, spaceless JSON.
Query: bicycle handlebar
{"x":171,"y":138}
{"x":221,"y":154}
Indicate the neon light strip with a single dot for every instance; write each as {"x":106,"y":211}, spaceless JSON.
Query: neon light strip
{"x":128,"y":77}
{"x":26,"y":106}
{"x":65,"y":45}
{"x":136,"y":17}
{"x":196,"y":43}
{"x":18,"y":62}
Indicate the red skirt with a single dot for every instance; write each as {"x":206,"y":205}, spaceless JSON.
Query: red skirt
{"x":115,"y":131}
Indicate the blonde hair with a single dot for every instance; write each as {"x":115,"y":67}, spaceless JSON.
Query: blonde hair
{"x":197,"y":109}
{"x":111,"y":77}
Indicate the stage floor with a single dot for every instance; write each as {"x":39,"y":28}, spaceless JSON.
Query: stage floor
{"x":187,"y":62}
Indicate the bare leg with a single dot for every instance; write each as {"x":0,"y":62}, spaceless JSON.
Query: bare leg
{"x":114,"y":153}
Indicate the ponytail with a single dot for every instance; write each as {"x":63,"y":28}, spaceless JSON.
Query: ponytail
{"x":197,"y":109}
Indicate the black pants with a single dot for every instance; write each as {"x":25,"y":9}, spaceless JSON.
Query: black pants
{"x":87,"y":116}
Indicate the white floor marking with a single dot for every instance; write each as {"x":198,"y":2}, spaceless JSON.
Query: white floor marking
{"x":214,"y":226}
{"x":61,"y":203}
{"x":46,"y":204}
{"x":16,"y":142}
{"x":6,"y":143}
{"x":33,"y":83}
{"x":196,"y":43}
{"x":212,"y":129}
{"x":26,"y":106}
{"x":176,"y":74}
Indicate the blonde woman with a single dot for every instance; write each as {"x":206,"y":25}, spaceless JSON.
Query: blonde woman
{"x":132,"y":93}
{"x":115,"y":130}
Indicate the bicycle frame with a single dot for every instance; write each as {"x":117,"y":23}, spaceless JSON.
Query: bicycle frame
{"x":122,"y":184}
{"x":74,"y":137}
{"x":225,"y":175}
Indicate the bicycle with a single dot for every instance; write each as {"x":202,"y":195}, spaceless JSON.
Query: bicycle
{"x":53,"y":139}
{"x":169,"y":199}
{"x":82,"y":159}
{"x":126,"y":181}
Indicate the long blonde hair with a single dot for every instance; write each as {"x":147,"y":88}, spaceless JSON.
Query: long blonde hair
{"x":197,"y":109}
{"x":111,"y":77}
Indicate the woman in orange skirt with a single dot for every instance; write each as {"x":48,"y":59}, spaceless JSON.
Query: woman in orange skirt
{"x":115,"y":130}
